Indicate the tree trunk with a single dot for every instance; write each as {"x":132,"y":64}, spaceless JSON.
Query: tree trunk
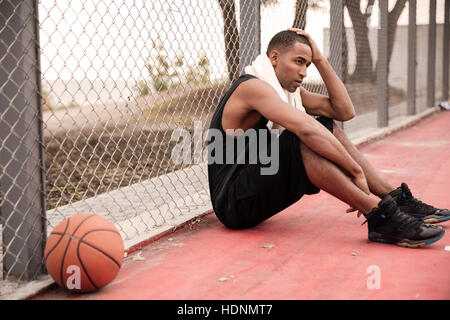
{"x":364,"y":63}
{"x":393,"y":17}
{"x":301,"y":7}
{"x":231,"y":38}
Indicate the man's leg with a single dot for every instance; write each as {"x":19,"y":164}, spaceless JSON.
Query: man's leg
{"x":377,"y":185}
{"x":328,"y":177}
{"x":408,"y":203}
{"x":386,"y":223}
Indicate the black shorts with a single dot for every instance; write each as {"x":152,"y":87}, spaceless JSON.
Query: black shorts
{"x":253,"y":198}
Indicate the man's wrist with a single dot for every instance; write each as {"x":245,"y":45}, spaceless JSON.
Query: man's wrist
{"x":320,"y":60}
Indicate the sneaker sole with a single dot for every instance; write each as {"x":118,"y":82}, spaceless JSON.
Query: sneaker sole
{"x":436,"y":220}
{"x":406,"y":243}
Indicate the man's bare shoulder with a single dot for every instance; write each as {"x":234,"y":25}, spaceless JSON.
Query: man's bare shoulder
{"x":256,"y":87}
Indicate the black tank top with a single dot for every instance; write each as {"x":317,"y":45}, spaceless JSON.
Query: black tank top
{"x":220,"y":175}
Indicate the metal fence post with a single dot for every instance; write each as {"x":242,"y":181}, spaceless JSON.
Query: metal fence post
{"x":337,"y":33}
{"x":250,"y":32}
{"x":21,"y":156}
{"x":412,"y":52}
{"x":446,"y":52}
{"x":382,"y":66}
{"x":431,"y":72}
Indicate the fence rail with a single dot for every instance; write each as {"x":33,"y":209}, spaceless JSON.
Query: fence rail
{"x":96,"y":98}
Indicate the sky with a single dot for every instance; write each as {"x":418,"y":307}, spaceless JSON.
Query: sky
{"x":112,"y":39}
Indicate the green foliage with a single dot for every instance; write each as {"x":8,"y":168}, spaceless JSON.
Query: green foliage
{"x":159,"y":69}
{"x":199,"y":74}
{"x":142,"y":89}
{"x":166,"y":73}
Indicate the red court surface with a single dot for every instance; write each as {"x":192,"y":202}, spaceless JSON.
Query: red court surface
{"x":311,"y":250}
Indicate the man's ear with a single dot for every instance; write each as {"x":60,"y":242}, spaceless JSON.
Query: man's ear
{"x":274,"y":57}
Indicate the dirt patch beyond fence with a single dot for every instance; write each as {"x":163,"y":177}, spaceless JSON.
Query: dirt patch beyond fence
{"x":89,"y":159}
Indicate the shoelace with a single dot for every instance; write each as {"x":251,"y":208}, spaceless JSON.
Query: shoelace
{"x":406,"y":220}
{"x":420,"y":205}
{"x":416,"y":203}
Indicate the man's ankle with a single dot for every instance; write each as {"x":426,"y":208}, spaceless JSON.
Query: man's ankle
{"x":390,"y":193}
{"x":372,"y":206}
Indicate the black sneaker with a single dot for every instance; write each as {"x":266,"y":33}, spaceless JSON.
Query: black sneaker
{"x":416,"y":208}
{"x":387,"y":224}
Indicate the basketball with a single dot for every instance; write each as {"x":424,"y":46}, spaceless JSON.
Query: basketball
{"x":84,"y":253}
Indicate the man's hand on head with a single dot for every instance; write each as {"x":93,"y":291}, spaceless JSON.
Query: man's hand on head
{"x":338,"y":104}
{"x":317,"y":56}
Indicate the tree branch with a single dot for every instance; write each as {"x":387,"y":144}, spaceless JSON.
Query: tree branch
{"x":397,"y":10}
{"x":369,"y":4}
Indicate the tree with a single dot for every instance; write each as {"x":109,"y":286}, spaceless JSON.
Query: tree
{"x":200,"y":73}
{"x":364,"y":70}
{"x":364,"y":62}
{"x":301,"y":8}
{"x":166,"y":73}
{"x":231,"y":37}
{"x":393,"y":17}
{"x":159,"y":69}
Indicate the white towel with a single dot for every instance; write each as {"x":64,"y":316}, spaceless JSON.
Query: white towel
{"x":262,"y":68}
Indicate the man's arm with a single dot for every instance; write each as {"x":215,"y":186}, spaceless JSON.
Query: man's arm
{"x":258,"y":95}
{"x":338,"y":105}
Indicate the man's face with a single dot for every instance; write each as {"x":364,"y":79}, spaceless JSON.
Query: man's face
{"x":290,"y":65}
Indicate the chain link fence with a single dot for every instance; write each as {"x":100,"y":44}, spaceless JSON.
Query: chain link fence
{"x":100,"y":99}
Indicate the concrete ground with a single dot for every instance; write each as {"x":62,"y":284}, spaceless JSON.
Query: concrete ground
{"x":311,"y":250}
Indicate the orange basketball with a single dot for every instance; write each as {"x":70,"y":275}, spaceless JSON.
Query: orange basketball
{"x":84,"y":253}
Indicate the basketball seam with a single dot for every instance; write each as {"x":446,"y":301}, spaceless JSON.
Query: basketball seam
{"x":65,"y":252}
{"x":104,"y":253}
{"x":82,"y":265}
{"x":98,"y":249}
{"x":57,"y":243}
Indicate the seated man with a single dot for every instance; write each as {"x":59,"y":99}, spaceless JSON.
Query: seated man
{"x":313,"y":153}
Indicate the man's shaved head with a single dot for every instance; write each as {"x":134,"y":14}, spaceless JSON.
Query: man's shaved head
{"x":284,"y":40}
